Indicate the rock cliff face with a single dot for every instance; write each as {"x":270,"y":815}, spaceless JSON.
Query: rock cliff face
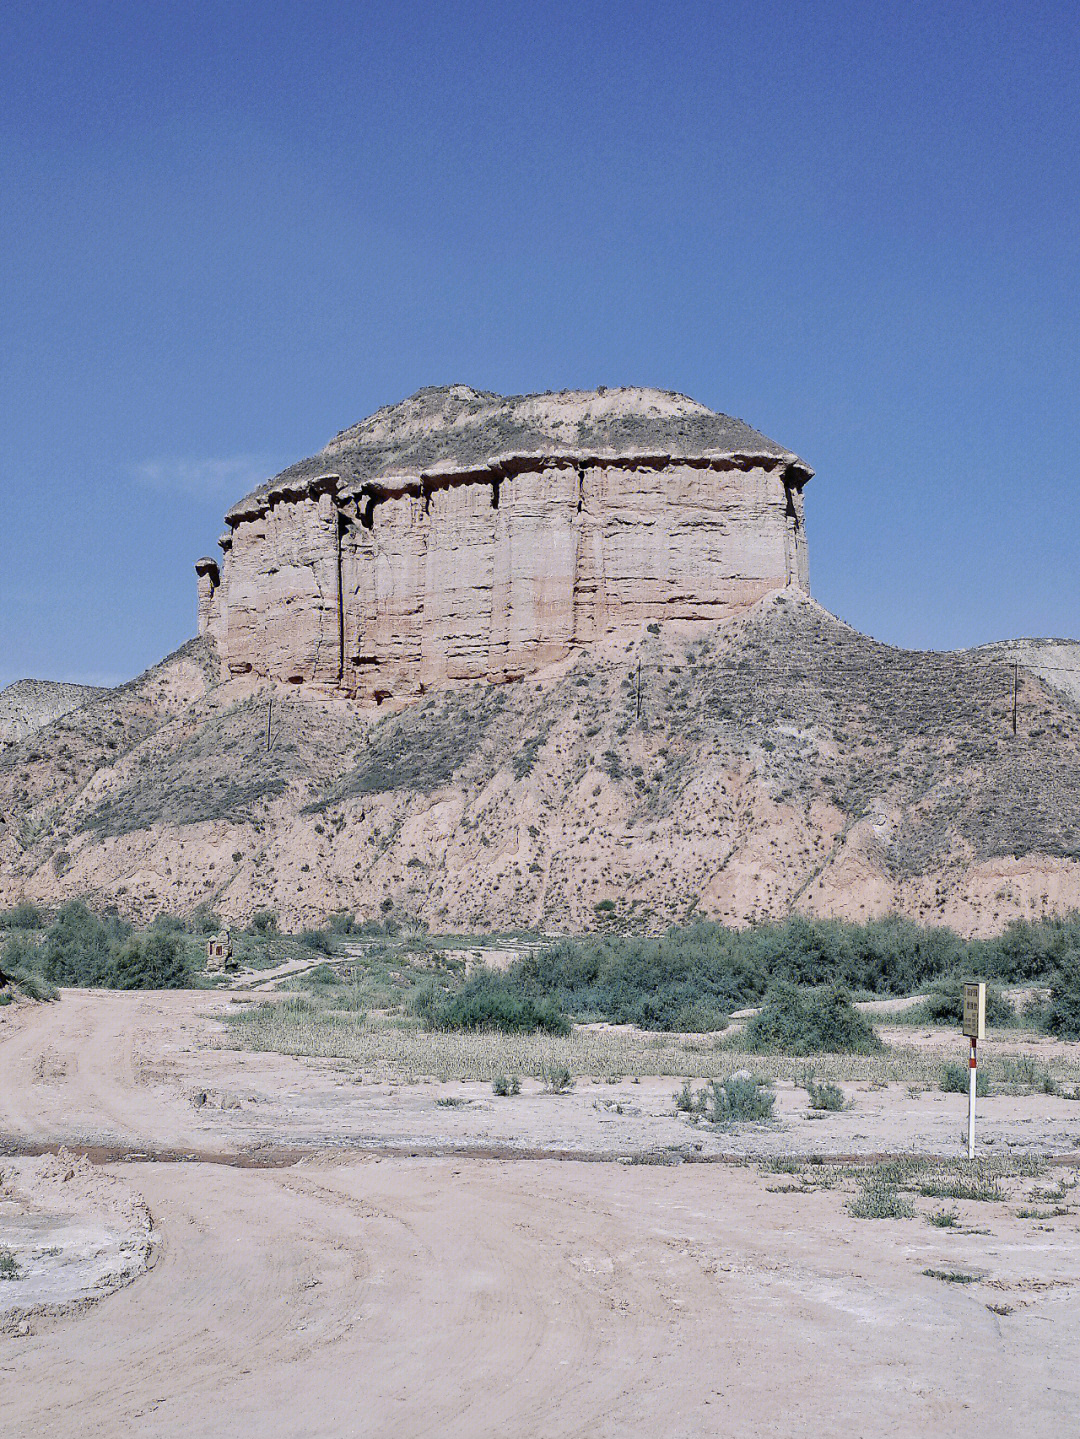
{"x":461,"y":535}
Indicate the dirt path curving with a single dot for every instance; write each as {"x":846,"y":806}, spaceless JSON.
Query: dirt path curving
{"x":537,"y":1299}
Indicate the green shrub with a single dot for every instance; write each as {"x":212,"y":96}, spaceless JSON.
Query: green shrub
{"x":154,"y":960}
{"x":955,"y":1079}
{"x":490,"y":1001}
{"x":1063,"y":1009}
{"x":23,"y":915}
{"x":505,"y":1085}
{"x":80,"y":947}
{"x":944,"y":1004}
{"x":264,"y":921}
{"x":557,"y":1078}
{"x":741,"y":1098}
{"x":32,"y":984}
{"x":9,"y":1268}
{"x":822,"y":1021}
{"x":203,"y":920}
{"x":318,"y":940}
{"x":825,"y":1096}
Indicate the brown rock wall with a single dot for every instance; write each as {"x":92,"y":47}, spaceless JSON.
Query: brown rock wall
{"x":454,"y":577}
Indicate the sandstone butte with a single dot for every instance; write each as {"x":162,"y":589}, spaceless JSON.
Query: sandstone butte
{"x":461,"y":535}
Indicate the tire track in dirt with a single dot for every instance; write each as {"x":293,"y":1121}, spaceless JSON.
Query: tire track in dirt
{"x":474,"y":1299}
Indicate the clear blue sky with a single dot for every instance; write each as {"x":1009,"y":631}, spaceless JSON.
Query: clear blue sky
{"x":229,"y":230}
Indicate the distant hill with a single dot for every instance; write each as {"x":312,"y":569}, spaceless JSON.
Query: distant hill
{"x":26,"y":705}
{"x":778,"y":761}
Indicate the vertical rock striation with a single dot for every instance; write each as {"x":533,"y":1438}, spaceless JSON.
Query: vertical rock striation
{"x":461,"y":535}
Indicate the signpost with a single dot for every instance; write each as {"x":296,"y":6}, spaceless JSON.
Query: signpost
{"x":975,"y":1028}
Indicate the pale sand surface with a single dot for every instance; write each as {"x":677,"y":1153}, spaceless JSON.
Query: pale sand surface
{"x":138,"y":1072}
{"x":537,"y":1298}
{"x":378,"y":1294}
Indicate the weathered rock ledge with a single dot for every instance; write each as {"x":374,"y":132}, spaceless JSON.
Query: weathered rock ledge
{"x":464,"y":536}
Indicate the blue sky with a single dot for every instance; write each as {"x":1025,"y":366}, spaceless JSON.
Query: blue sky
{"x":229,"y":230}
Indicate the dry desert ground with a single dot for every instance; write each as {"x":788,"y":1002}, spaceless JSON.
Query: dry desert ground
{"x":218,"y":1242}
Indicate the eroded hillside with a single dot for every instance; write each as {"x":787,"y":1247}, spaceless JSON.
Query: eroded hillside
{"x":781,"y":760}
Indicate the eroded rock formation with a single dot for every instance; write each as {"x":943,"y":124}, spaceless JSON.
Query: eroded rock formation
{"x":462,"y":535}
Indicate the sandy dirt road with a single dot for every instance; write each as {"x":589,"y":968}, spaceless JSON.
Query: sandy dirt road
{"x":538,"y":1298}
{"x":137,"y":1073}
{"x":387,"y":1296}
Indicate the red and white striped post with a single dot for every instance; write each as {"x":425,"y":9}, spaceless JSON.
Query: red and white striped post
{"x":975,"y":1029}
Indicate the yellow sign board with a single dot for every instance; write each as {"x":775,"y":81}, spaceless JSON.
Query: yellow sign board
{"x":975,"y":1010}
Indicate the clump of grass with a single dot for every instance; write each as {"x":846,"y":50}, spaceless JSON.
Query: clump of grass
{"x":879,"y":1197}
{"x":954,"y":1080}
{"x":9,"y":1267}
{"x":1027,"y":1072}
{"x":505,"y":1085}
{"x":742,"y":1098}
{"x":961,"y":1186}
{"x":951,"y":1276}
{"x":451,"y":1101}
{"x":944,"y":1218}
{"x":321,"y":974}
{"x":557,"y":1079}
{"x":825,"y":1096}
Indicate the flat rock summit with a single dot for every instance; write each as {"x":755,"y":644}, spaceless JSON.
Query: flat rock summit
{"x":462,"y":535}
{"x":547,"y":661}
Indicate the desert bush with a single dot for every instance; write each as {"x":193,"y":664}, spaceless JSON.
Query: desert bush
{"x":955,"y":1080}
{"x":944,"y":1004}
{"x":154,"y":960}
{"x":264,"y":921}
{"x":557,"y":1078}
{"x":23,"y":915}
{"x":1062,"y":1015}
{"x":80,"y":947}
{"x":9,"y":1267}
{"x":33,"y":984}
{"x":824,"y":1096}
{"x":693,"y":976}
{"x":821,"y":1021}
{"x":318,"y":940}
{"x":204,"y":920}
{"x":741,"y":1098}
{"x":489,"y":1001}
{"x":505,"y":1085}
{"x":320,"y":975}
{"x":686,"y":980}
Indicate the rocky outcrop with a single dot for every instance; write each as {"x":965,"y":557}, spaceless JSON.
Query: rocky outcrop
{"x":461,"y":535}
{"x":772,"y":763}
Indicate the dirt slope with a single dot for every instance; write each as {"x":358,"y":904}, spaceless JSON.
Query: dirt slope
{"x":782,"y":760}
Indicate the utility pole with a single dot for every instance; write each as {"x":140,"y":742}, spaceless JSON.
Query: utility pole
{"x":1016,"y":686}
{"x":974,"y":1026}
